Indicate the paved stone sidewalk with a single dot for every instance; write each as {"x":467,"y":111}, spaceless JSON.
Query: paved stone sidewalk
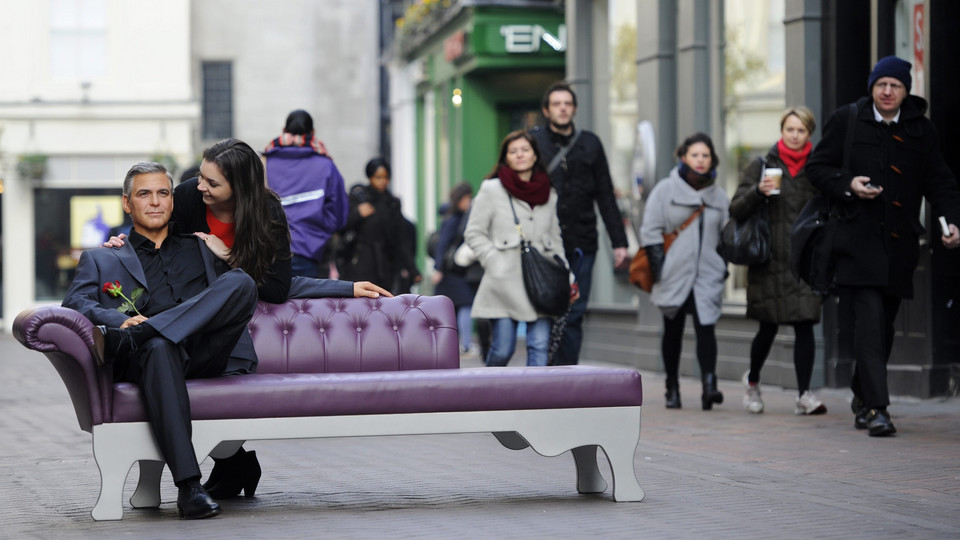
{"x":717,"y":474}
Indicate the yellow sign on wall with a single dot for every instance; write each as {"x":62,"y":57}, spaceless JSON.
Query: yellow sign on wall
{"x":91,"y":217}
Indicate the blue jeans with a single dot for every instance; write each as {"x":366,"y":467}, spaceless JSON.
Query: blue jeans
{"x":504,"y":341}
{"x":464,"y":326}
{"x":569,"y":351}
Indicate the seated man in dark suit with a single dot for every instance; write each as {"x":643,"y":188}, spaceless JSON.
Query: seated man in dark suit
{"x":184,"y":323}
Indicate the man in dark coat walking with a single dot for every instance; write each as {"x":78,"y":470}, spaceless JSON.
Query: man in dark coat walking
{"x":894,"y":163}
{"x":581,"y":177}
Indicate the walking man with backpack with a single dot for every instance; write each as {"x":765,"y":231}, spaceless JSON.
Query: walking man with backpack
{"x":876,"y":162}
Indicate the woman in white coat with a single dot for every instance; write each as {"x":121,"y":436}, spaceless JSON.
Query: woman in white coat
{"x":689,"y":277}
{"x":492,"y":235}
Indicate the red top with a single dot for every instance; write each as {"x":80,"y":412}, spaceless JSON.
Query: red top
{"x":223,"y":231}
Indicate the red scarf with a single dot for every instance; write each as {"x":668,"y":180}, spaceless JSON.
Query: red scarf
{"x":794,"y":159}
{"x":288,"y":139}
{"x":534,"y":192}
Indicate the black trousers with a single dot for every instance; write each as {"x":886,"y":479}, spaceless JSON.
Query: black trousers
{"x":195,"y":341}
{"x":672,"y":342}
{"x":874,"y":314}
{"x":804,"y":352}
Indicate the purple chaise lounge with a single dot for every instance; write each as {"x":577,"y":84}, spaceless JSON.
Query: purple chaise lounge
{"x":349,"y":367}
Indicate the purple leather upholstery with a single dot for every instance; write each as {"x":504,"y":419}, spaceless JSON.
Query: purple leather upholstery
{"x":332,"y":356}
{"x":349,"y":335}
{"x":431,"y":390}
{"x":65,"y":337}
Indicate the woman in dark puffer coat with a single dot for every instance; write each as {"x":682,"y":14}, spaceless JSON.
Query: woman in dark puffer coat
{"x":774,"y":295}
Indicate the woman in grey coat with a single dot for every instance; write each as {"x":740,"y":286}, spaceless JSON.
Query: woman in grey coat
{"x":689,"y":278}
{"x":492,"y":235}
{"x":774,"y":295}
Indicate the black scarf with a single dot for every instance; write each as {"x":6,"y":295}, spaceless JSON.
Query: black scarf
{"x":696,"y":180}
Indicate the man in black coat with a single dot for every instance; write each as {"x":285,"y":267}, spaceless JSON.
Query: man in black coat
{"x":894,"y":163}
{"x":172,"y":319}
{"x":579,"y":172}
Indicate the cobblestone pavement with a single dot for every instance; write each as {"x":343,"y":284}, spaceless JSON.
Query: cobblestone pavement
{"x":707,"y":474}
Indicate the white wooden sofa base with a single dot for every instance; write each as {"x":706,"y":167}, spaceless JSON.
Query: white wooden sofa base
{"x":549,"y":432}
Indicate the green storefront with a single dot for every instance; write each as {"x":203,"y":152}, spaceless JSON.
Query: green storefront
{"x":481,"y":73}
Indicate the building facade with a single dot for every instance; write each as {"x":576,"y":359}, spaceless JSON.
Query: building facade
{"x":461,"y":77}
{"x":828,"y":49}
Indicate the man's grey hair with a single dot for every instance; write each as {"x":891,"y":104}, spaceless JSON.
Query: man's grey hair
{"x":144,"y":167}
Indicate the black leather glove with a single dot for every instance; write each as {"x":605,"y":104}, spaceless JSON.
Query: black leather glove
{"x":655,"y":256}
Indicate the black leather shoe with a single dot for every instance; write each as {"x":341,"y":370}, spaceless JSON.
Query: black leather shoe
{"x":112,"y":343}
{"x":194,"y":503}
{"x":233,"y":475}
{"x":119,"y":342}
{"x":860,"y":420}
{"x":99,"y":345}
{"x":879,"y":424}
{"x":856,"y":404}
{"x":673,"y":397}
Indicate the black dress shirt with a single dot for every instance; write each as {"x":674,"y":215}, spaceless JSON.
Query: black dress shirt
{"x":174,"y":271}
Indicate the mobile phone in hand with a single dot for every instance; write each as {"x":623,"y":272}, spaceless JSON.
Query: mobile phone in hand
{"x":868,"y":185}
{"x":944,"y":227}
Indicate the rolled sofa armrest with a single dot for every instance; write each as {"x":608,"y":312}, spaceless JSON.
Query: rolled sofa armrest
{"x":65,"y":337}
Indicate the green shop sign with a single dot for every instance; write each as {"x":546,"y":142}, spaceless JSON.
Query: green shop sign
{"x":529,"y":39}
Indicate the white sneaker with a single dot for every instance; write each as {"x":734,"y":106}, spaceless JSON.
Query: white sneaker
{"x":752,"y":400}
{"x":809,"y":404}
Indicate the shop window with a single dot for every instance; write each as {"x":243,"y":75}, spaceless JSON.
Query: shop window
{"x":622,"y":24}
{"x":78,"y":39}
{"x":217,"y":121}
{"x":754,"y":97}
{"x":91,"y":214}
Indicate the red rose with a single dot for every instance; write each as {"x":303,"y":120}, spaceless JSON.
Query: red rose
{"x":114,"y":289}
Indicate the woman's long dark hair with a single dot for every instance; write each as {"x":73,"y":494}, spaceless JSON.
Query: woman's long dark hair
{"x":512,"y":136}
{"x":254,"y":249}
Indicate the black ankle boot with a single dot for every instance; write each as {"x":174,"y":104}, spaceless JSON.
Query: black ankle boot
{"x":673,"y":396}
{"x":710,"y":393}
{"x":230,"y":476}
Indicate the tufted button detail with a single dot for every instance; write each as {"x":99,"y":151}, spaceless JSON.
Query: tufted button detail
{"x":285,"y":332}
{"x":431,"y":328}
{"x":395,"y":327}
{"x":358,"y":329}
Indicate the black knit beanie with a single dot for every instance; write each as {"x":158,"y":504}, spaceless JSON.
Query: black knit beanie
{"x":891,"y":66}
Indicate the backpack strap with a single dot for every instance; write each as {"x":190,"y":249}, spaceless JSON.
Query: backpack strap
{"x":563,"y":152}
{"x":854,"y":111}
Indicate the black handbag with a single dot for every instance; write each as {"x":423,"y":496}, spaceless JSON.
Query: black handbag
{"x":547,"y":282}
{"x":812,"y":236}
{"x":811,"y":245}
{"x":747,"y":242}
